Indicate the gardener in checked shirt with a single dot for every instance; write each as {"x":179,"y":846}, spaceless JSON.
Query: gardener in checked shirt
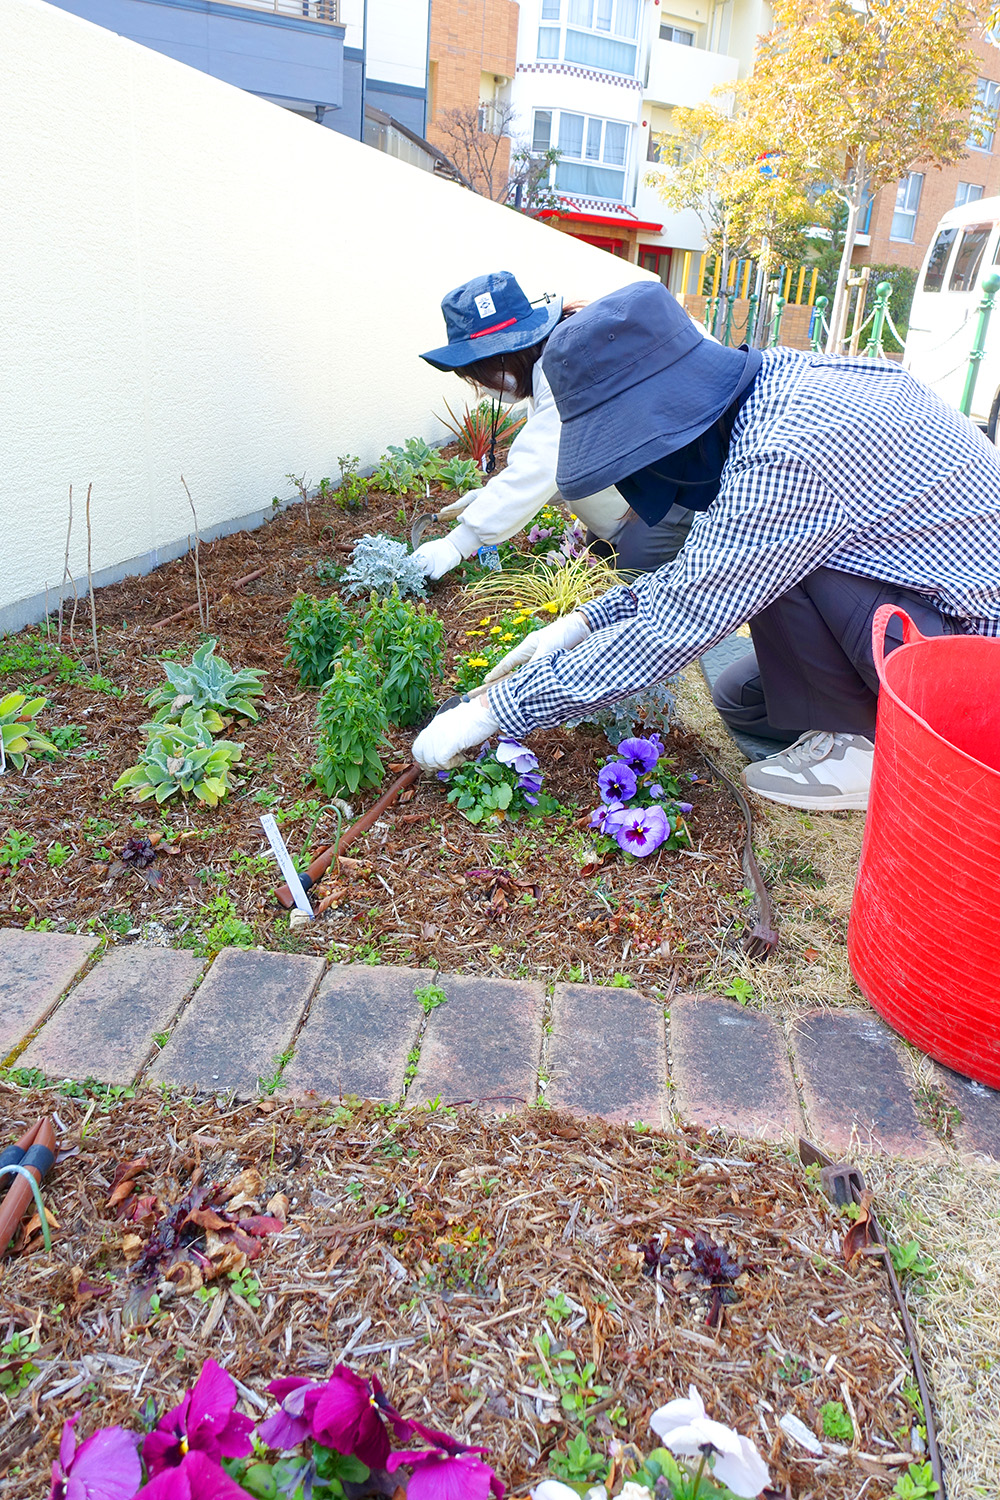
{"x":823,"y":488}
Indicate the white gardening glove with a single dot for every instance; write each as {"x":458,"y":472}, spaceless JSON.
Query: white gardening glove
{"x":561,"y":635}
{"x":449,"y":512}
{"x":437,"y":558}
{"x":449,"y":738}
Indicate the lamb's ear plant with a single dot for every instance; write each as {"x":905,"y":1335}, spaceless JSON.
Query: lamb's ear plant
{"x":377,"y":563}
{"x":407,"y":644}
{"x":182,"y":758}
{"x":18,"y":735}
{"x":424,"y":459}
{"x":460,"y":474}
{"x":316,"y":630}
{"x":351,"y":724}
{"x":207,"y":683}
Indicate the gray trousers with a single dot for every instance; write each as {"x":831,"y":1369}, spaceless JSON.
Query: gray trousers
{"x":811,"y":665}
{"x":639,"y":548}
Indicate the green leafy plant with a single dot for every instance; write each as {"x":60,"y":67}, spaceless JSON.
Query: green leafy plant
{"x":16,"y":848}
{"x":218,"y":927}
{"x":579,"y":1464}
{"x":740,"y":989}
{"x":558,"y":1309}
{"x":66,"y":737}
{"x":836,"y":1423}
{"x":395,"y":475}
{"x":246,"y":1286}
{"x":316,"y":630}
{"x":18,"y":735}
{"x":182,"y":758}
{"x":429,"y":997}
{"x":424,"y":459}
{"x":16,"y":1366}
{"x":352,"y":722}
{"x":494,"y":637}
{"x":474,"y":428}
{"x":559,"y":1369}
{"x":909,"y":1260}
{"x":407,"y":643}
{"x":58,"y":854}
{"x":208,"y":685}
{"x":29,"y":657}
{"x":460,"y":474}
{"x":352,"y":493}
{"x":918,"y":1483}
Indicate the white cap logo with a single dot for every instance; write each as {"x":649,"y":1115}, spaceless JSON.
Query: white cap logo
{"x":485,"y":305}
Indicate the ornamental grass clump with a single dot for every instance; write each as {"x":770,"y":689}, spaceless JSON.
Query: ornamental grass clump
{"x":18,"y":736}
{"x":377,"y":563}
{"x":639,"y":809}
{"x":351,"y":725}
{"x":407,"y":643}
{"x":544,"y":589}
{"x":183,"y":758}
{"x":316,"y":631}
{"x":207,"y":685}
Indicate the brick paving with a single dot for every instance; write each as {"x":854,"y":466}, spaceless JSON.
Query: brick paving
{"x":272,"y":1021}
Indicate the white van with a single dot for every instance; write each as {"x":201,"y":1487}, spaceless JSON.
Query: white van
{"x":965,"y":249}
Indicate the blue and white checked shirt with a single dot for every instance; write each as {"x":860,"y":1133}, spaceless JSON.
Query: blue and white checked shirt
{"x":838,"y":463}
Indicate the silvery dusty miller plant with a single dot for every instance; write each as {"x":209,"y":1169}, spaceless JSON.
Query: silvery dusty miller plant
{"x":377,"y":563}
{"x":351,"y":721}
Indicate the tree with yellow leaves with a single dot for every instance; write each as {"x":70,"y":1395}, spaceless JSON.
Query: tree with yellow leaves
{"x":863,"y":89}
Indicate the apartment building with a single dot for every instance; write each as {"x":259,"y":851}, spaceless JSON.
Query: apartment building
{"x":473,"y":53}
{"x":902,"y":217}
{"x":598,"y":80}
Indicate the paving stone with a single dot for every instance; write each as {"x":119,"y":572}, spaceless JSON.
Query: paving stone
{"x":979,"y":1129}
{"x":105,"y":1028}
{"x":241,"y":1020}
{"x":607,"y":1055}
{"x":35,"y":969}
{"x":359,"y":1033}
{"x":852,"y":1077}
{"x":484,"y":1044}
{"x":730,"y":1067}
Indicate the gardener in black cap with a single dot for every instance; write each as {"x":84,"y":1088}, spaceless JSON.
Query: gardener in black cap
{"x":495,"y":340}
{"x":824,"y":488}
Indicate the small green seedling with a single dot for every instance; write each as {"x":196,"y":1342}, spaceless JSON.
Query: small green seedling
{"x":740,"y":989}
{"x":430,"y":997}
{"x":836,"y":1423}
{"x":918,"y":1483}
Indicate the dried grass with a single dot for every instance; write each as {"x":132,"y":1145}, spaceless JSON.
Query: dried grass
{"x":426,"y":1245}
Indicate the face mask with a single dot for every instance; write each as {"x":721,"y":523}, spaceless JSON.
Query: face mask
{"x":506,"y":388}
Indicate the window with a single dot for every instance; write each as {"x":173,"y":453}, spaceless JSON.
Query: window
{"x":984,"y":115}
{"x":666,"y":156}
{"x":677,"y":34}
{"x":968,"y":192}
{"x":934,"y":275}
{"x":904,"y":220}
{"x":599,"y":34}
{"x":593,"y":152}
{"x":968,"y":257}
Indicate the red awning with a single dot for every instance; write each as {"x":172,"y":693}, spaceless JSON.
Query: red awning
{"x":605,"y":219}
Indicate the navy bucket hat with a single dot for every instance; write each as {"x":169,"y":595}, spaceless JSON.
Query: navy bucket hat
{"x":635,"y":379}
{"x":490,"y":315}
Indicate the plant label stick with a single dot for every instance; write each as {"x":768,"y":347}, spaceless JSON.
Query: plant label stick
{"x":284,"y":859}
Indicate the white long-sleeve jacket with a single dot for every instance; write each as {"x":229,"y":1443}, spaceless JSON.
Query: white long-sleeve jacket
{"x":508,"y":502}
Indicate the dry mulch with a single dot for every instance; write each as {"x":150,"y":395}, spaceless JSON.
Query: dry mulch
{"x":430,"y":1247}
{"x":410,"y":900}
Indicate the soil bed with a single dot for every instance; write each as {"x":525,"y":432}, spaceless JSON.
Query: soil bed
{"x":443,"y":1250}
{"x":410,"y":899}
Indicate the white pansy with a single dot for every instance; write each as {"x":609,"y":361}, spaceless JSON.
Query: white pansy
{"x":552,"y":1489}
{"x":687,"y":1431}
{"x":633,"y":1491}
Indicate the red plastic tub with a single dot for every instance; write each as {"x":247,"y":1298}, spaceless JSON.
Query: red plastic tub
{"x":924,"y":934}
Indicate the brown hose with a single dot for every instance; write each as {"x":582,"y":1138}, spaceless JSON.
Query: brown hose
{"x":323,"y":861}
{"x":18,"y":1195}
{"x":191,"y":609}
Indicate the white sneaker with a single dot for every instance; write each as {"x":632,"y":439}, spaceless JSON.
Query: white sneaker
{"x":821,"y":771}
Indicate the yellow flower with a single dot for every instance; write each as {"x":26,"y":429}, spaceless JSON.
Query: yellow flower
{"x":508,"y":635}
{"x":475,"y":632}
{"x":477,"y":661}
{"x":486,"y":619}
{"x":494,"y":630}
{"x":552,"y":607}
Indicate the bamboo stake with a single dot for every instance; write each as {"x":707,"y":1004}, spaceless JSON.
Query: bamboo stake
{"x":90,"y":586}
{"x":66,"y":572}
{"x":202,"y":610}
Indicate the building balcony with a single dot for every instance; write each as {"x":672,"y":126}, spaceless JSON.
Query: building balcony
{"x":326,"y":12}
{"x":685,"y":76}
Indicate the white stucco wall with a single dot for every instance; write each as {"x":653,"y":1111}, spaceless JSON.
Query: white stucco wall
{"x":198,"y":282}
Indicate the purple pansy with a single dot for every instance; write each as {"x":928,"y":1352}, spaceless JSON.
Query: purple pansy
{"x":104,"y":1467}
{"x":440,"y":1475}
{"x":617,"y":782}
{"x":513,"y":753}
{"x":292,"y":1422}
{"x":603,"y":819}
{"x":655,"y":789}
{"x":530,"y":785}
{"x":539,"y":534}
{"x":657,"y":744}
{"x":347,"y":1417}
{"x":443,"y":775}
{"x":196,"y":1477}
{"x":639,"y":755}
{"x":205,"y":1420}
{"x":640,"y":830}
{"x":686,"y":807}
